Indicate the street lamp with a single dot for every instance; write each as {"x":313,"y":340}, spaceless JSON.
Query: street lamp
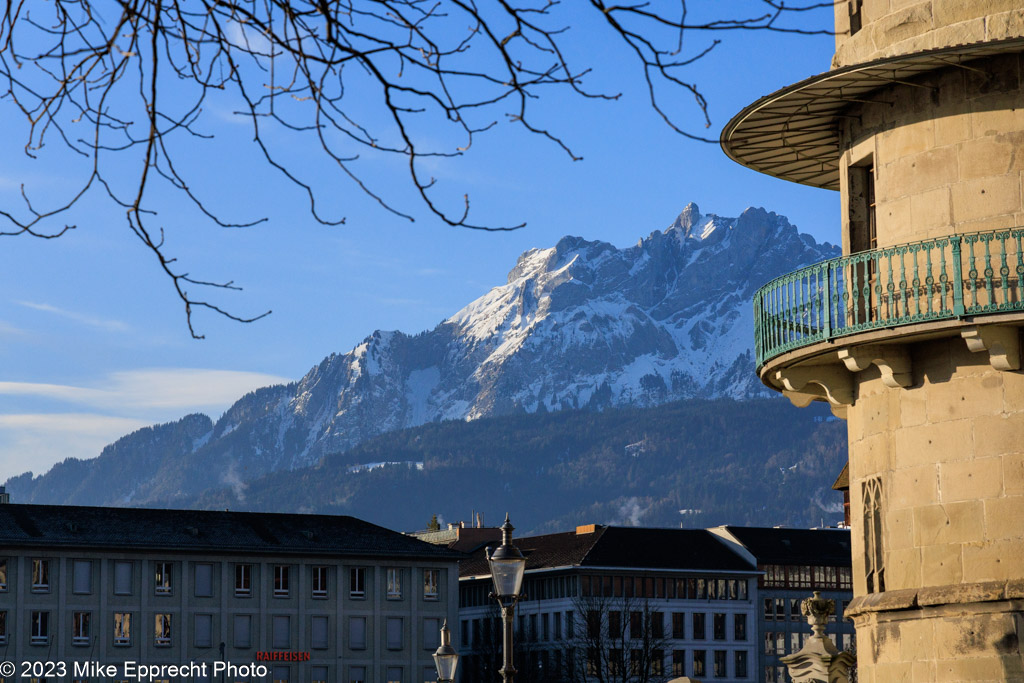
{"x":446,"y":659}
{"x":507,"y":567}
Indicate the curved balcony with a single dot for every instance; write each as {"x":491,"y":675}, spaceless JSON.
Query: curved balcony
{"x":969,"y":274}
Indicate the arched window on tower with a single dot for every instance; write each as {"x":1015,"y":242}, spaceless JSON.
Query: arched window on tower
{"x":873,"y":557}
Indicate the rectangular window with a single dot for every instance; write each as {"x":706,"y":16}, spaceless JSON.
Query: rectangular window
{"x":40,"y":576}
{"x":357,"y":633}
{"x":699,"y":659}
{"x":40,"y":628}
{"x":431,"y":578}
{"x":122,"y":628}
{"x":319,"y":582}
{"x":357,"y":582}
{"x":318,"y":633}
{"x":679,"y":625}
{"x":80,"y":628}
{"x":162,"y":578}
{"x":658,"y":663}
{"x":431,"y":633}
{"x":769,"y":609}
{"x":830,"y":577}
{"x":242,"y":630}
{"x":769,"y":643}
{"x":204,"y":580}
{"x":718,"y":626}
{"x":794,"y":610}
{"x":81,"y":577}
{"x":122,"y":578}
{"x":357,"y":674}
{"x":3,"y":575}
{"x":394,"y":633}
{"x":280,"y":581}
{"x":545,"y":632}
{"x":204,"y":630}
{"x":794,"y":642}
{"x":636,"y":624}
{"x":720,"y":663}
{"x":281,"y":632}
{"x":394,"y":675}
{"x":743,"y":589}
{"x":243,"y":580}
{"x":699,"y":626}
{"x":556,"y":619}
{"x":769,"y":675}
{"x":280,"y":674}
{"x":3,"y":627}
{"x":318,"y":674}
{"x":614,"y":623}
{"x":657,"y":625}
{"x":394,"y":576}
{"x":615,"y":661}
{"x":741,"y":664}
{"x":739,"y":626}
{"x":593,"y":623}
{"x":845,"y":579}
{"x":780,"y":609}
{"x":162,"y":630}
{"x":678,"y":663}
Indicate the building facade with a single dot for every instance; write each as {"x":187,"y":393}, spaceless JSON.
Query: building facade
{"x":308,"y":597}
{"x":644,"y":604}
{"x":792,"y":563}
{"x":914,"y":334}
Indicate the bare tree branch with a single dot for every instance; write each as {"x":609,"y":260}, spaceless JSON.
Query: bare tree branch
{"x":126,"y":82}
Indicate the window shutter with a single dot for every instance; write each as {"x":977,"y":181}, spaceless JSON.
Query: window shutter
{"x":281,"y":627}
{"x":319,"y":633}
{"x":82,"y":576}
{"x":204,"y":630}
{"x":204,"y":580}
{"x":242,"y":627}
{"x":123,"y":578}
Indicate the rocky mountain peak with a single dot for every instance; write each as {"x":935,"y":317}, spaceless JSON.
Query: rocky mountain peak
{"x":582,"y":324}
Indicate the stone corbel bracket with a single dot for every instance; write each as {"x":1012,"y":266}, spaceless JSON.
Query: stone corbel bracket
{"x":1001,"y":341}
{"x":829,"y":383}
{"x":892,"y":360}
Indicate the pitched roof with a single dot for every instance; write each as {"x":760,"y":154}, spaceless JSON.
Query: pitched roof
{"x":625,"y":547}
{"x":829,"y":547}
{"x":58,"y":526}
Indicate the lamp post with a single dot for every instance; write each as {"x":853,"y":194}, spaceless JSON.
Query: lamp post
{"x":446,"y":659}
{"x":507,"y":567}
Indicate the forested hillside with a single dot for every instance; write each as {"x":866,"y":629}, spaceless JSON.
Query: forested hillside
{"x":738,"y":462}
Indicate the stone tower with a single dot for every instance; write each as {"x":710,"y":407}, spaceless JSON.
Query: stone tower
{"x":913,"y":335}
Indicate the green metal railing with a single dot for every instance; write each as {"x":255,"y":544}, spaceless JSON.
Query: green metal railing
{"x":948,"y":277}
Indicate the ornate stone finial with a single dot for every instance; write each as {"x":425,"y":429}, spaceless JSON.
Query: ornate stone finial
{"x":817,"y":610}
{"x":818,"y":661}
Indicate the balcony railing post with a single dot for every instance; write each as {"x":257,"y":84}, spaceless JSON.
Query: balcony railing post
{"x":828,"y":300}
{"x":958,"y":278}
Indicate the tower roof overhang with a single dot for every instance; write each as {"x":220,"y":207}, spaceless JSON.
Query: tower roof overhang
{"x":793,"y":133}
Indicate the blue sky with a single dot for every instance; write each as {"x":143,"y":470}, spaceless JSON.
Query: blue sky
{"x":93,"y":343}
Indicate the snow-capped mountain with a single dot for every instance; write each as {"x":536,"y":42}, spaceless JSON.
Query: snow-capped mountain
{"x":582,"y":324}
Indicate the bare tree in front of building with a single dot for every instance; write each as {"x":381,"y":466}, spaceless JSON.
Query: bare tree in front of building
{"x":618,"y":640}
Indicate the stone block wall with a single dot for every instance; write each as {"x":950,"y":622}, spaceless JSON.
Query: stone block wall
{"x":948,"y":153}
{"x":897,"y":27}
{"x":949,"y":451}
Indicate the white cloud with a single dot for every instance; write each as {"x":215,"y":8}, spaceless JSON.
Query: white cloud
{"x":36,"y":441}
{"x":152,"y":389}
{"x":92,"y":321}
{"x":115,"y":405}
